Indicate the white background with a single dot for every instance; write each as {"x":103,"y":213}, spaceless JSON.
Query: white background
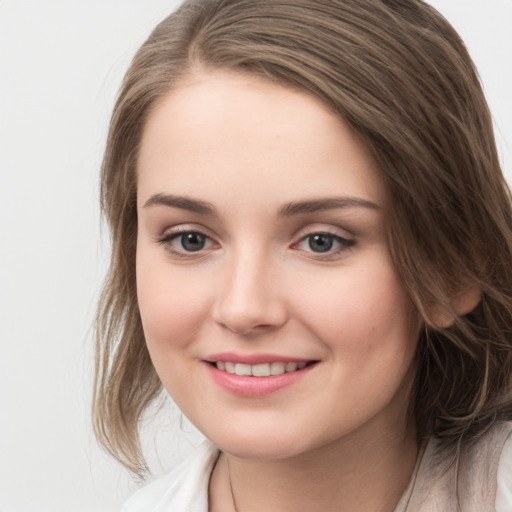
{"x":61,"y":63}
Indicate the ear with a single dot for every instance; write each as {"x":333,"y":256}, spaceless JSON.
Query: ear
{"x":462,"y":304}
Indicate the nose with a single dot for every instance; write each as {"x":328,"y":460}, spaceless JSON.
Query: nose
{"x":250,"y":299}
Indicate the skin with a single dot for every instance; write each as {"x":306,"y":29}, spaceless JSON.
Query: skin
{"x":338,"y":438}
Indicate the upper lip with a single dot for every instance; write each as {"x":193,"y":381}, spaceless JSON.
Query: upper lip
{"x":254,"y":358}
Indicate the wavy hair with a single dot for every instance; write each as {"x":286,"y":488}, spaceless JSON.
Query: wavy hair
{"x":399,"y":75}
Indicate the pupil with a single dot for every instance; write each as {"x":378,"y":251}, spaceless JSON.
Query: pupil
{"x":193,"y":241}
{"x":320,"y":243}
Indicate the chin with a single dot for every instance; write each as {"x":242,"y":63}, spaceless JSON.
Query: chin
{"x":264,"y":450}
{"x":262,"y":444}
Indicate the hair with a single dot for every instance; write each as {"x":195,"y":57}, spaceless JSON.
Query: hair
{"x":398,"y":74}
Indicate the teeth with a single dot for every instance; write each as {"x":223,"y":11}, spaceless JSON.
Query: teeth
{"x":259,"y":370}
{"x":277,"y":368}
{"x":243,"y":369}
{"x":291,"y":367}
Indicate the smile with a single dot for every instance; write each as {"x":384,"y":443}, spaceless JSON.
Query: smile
{"x":258,"y":379}
{"x":260,"y":370}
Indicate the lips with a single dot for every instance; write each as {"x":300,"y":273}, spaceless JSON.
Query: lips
{"x":256,"y":375}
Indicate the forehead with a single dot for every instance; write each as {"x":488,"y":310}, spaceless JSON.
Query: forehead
{"x":245,"y":132}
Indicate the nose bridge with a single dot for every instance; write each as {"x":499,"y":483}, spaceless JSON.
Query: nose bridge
{"x":248,"y":297}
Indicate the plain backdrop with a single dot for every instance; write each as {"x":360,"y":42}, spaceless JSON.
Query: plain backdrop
{"x":61,"y":63}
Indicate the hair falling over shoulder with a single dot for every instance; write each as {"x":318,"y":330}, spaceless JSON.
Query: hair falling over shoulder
{"x":401,"y":77}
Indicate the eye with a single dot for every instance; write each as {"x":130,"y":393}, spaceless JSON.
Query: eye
{"x":324,"y":243}
{"x":184,"y":243}
{"x":320,"y":242}
{"x":191,"y":242}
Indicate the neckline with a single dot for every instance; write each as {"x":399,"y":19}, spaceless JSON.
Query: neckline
{"x":403,"y":504}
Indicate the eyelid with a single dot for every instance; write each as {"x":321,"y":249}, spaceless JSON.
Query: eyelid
{"x":178,"y":229}
{"x":319,"y":228}
{"x":346,"y":241}
{"x":174,"y":232}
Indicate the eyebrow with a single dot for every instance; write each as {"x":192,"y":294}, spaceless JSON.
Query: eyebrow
{"x":184,"y":203}
{"x":319,"y":205}
{"x":288,"y":210}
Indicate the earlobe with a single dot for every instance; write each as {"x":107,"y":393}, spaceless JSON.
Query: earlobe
{"x":462,"y":304}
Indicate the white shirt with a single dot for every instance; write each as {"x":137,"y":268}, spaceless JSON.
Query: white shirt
{"x":185,"y":489}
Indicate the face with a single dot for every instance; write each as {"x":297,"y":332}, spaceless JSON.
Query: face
{"x":262,"y":251}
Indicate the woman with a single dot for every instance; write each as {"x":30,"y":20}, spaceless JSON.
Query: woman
{"x":311,"y":253}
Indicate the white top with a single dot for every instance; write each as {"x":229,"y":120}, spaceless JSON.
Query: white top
{"x":504,"y":491}
{"x":185,"y":489}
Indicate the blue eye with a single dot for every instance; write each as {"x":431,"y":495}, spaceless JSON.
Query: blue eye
{"x":191,"y":242}
{"x":185,"y":242}
{"x":321,"y":243}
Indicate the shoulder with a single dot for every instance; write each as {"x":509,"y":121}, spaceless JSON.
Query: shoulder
{"x":504,"y":491}
{"x":185,"y":488}
{"x":484,"y":475}
{"x":487,"y":451}
{"x":477,"y":478}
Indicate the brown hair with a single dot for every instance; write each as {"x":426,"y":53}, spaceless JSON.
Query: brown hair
{"x":401,"y":77}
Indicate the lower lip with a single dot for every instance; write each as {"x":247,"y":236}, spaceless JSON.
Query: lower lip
{"x":243,"y":385}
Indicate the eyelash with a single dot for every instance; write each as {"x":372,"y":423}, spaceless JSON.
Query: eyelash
{"x":344,"y":244}
{"x":169,"y":238}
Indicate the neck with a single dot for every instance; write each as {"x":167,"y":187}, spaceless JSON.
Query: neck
{"x":346,"y":475}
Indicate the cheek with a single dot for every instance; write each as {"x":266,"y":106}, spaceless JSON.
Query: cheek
{"x":364,"y":314}
{"x":369,"y":328}
{"x":170,"y":304}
